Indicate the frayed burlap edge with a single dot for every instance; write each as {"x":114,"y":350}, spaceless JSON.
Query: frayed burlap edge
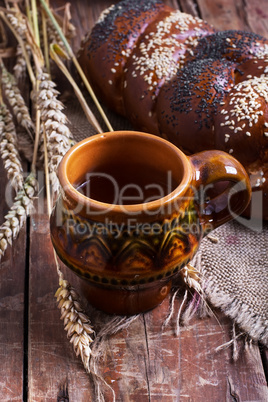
{"x":255,"y":327}
{"x":251,"y":325}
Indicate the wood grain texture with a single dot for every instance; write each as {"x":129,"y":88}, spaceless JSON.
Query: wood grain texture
{"x":189,"y":6}
{"x":257,"y":16}
{"x":224,"y":14}
{"x":52,"y":362}
{"x":12,"y":277}
{"x":191,"y":368}
{"x":142,"y":362}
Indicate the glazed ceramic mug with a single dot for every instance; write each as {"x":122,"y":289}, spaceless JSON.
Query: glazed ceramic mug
{"x":132,"y":212}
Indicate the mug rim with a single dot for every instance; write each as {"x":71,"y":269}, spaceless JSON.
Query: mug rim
{"x":72,"y":193}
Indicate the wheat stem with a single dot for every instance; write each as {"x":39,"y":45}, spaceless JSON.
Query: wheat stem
{"x":45,"y":38}
{"x":22,"y":45}
{"x":92,"y":94}
{"x":76,"y":322}
{"x":53,"y":34}
{"x":37,"y":131}
{"x":54,"y":51}
{"x":35,"y":22}
{"x":28,"y":12}
{"x":77,"y":65}
{"x":57,"y":27}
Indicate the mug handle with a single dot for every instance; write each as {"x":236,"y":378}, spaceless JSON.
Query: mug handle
{"x":212,"y":167}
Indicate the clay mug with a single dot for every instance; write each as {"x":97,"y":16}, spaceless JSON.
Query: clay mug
{"x":132,"y":211}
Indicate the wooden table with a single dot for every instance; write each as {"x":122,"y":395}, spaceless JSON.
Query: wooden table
{"x":142,"y":363}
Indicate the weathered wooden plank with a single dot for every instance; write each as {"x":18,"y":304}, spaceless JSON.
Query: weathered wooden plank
{"x":249,"y":15}
{"x":140,"y":363}
{"x":257,"y":16}
{"x":223,"y":14}
{"x":52,"y":362}
{"x":265,"y":362}
{"x":146,"y":363}
{"x":188,"y":366}
{"x":189,"y":6}
{"x":171,"y":3}
{"x":12,"y":278}
{"x":13,"y":284}
{"x":84,"y":14}
{"x":125,"y":364}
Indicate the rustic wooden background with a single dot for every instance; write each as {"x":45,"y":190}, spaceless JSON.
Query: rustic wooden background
{"x":142,"y":363}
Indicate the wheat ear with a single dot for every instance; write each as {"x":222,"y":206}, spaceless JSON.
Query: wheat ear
{"x":59,"y":137}
{"x":53,"y":36}
{"x":16,"y":216}
{"x":18,"y":24}
{"x":8,"y":148}
{"x":20,"y":66}
{"x":76,"y":322}
{"x":16,"y":101}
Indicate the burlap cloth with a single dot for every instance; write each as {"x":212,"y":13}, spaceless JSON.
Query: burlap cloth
{"x":233,"y":268}
{"x":234,"y":276}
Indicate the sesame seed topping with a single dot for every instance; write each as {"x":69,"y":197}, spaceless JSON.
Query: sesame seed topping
{"x":161,"y":53}
{"x":247,"y":99}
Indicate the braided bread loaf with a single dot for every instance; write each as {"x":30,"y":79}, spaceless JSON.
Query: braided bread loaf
{"x":172,"y":74}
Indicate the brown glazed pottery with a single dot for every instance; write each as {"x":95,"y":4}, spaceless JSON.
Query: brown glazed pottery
{"x":133,"y":210}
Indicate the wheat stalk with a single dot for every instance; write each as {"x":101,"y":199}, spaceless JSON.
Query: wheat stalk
{"x":20,"y":66}
{"x":16,"y":216}
{"x":18,"y":23}
{"x":55,"y":52}
{"x":57,"y":141}
{"x":77,"y":65}
{"x":68,"y":29}
{"x":64,"y":22}
{"x":21,"y":43}
{"x":8,"y":148}
{"x":59,"y":137}
{"x":26,"y":190}
{"x":16,"y":101}
{"x":76,"y":323}
{"x":53,"y":36}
